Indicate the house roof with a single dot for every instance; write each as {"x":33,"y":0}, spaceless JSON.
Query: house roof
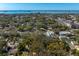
{"x":64,"y":32}
{"x":48,"y":33}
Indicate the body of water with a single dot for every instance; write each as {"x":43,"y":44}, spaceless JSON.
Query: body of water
{"x":38,"y":11}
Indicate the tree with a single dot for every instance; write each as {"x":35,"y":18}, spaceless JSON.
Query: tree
{"x":3,"y":50}
{"x":51,"y":21}
{"x":56,"y":48}
{"x":75,"y":52}
{"x":34,"y":42}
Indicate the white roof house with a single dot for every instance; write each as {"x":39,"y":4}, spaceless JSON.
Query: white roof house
{"x":49,"y":33}
{"x":63,"y":34}
{"x":68,"y":24}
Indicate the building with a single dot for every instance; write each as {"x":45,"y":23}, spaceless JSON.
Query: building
{"x":64,"y":34}
{"x":49,"y":33}
{"x":75,"y":25}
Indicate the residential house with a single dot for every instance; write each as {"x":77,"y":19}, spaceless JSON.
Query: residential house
{"x":49,"y":33}
{"x":75,"y":25}
{"x":64,"y":34}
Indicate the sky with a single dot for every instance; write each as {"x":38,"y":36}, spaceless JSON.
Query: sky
{"x":39,"y":6}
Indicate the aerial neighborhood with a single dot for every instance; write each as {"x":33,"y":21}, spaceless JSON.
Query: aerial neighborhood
{"x":39,"y":34}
